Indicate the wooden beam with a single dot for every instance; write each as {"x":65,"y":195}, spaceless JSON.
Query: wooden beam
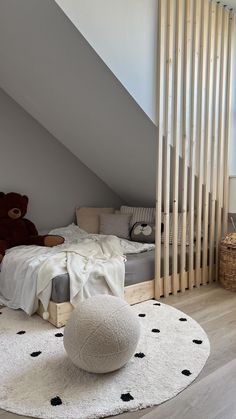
{"x":227,"y":123}
{"x":168,"y":127}
{"x":200,"y":142}
{"x":208,"y":69}
{"x":177,"y":132}
{"x":186,"y":118}
{"x":161,"y":81}
{"x":222,"y":119}
{"x":196,"y":54}
{"x":215,"y":134}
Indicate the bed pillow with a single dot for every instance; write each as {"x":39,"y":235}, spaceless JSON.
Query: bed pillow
{"x":180,"y":228}
{"x":88,"y":218}
{"x":139,"y":214}
{"x":143,"y":232}
{"x":116,"y":225}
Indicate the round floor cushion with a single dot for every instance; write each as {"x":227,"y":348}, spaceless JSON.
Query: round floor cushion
{"x":102,"y":334}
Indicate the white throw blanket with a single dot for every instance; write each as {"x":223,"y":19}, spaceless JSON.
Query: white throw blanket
{"x":95,"y":264}
{"x":94,"y":267}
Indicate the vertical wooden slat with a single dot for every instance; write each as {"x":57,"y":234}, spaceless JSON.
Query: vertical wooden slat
{"x":186,"y":115}
{"x":177,"y":132}
{"x":214,"y":139}
{"x":199,"y":135}
{"x":193,"y":107}
{"x":168,"y":127}
{"x":166,"y":197}
{"x":208,"y":63}
{"x":222,"y":118}
{"x":161,"y":76}
{"x":227,"y":123}
{"x":210,"y":103}
{"x":192,"y":154}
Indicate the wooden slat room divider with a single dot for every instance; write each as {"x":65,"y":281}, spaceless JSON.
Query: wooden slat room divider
{"x":193,"y":108}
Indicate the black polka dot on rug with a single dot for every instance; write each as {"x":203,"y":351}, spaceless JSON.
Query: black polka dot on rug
{"x":56,"y":401}
{"x":21,"y":332}
{"x":139,"y":355}
{"x":182,"y":319}
{"x":197,"y":341}
{"x":142,"y":315}
{"x":155,"y":331}
{"x":0,"y":312}
{"x":35,"y":354}
{"x":126,"y":397}
{"x":157,"y":304}
{"x":186,"y":372}
{"x":59,"y":335}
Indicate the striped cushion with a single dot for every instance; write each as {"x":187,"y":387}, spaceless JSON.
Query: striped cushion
{"x":180,"y":228}
{"x":139,"y":214}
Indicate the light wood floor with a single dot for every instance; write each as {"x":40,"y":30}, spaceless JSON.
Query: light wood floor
{"x":213,"y":393}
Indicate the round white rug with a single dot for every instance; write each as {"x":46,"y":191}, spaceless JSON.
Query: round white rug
{"x":38,"y":379}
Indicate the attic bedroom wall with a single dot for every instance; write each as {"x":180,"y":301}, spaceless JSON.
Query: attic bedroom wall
{"x":34,"y":163}
{"x":124,"y":34}
{"x":232,"y":154}
{"x":53,"y":73}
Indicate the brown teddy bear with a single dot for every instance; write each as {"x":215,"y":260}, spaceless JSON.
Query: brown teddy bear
{"x":16,"y":230}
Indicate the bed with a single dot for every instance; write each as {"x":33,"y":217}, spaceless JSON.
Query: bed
{"x":139,"y":284}
{"x":22,"y":266}
{"x":139,"y":277}
{"x":137,"y":267}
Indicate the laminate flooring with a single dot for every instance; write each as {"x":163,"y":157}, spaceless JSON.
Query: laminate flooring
{"x":213,"y":394}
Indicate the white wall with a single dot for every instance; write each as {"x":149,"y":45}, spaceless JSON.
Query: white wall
{"x":34,"y":163}
{"x":123,"y":33}
{"x":232,"y":154}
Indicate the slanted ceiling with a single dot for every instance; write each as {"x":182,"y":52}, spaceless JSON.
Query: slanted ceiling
{"x":53,"y":73}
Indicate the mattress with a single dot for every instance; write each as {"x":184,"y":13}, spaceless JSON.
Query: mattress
{"x":139,"y":267}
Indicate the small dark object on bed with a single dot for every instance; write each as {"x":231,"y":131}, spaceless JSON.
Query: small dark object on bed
{"x":16,"y":230}
{"x":144,"y":232}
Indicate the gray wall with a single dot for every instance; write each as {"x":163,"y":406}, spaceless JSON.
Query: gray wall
{"x":33,"y":162}
{"x":124,"y":35}
{"x":53,"y":73}
{"x":114,"y":30}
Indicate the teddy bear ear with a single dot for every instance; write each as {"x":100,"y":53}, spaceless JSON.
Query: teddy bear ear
{"x":25,"y":198}
{"x":2,"y":194}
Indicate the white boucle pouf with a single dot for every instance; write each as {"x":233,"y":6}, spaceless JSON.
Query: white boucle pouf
{"x":101,"y":334}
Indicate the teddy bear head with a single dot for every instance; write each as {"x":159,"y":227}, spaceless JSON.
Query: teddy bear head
{"x":13,"y":205}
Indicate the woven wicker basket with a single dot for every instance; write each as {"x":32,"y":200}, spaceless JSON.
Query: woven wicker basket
{"x":227,"y":265}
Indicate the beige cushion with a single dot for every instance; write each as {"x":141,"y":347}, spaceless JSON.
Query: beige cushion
{"x":116,"y":225}
{"x":88,"y":218}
